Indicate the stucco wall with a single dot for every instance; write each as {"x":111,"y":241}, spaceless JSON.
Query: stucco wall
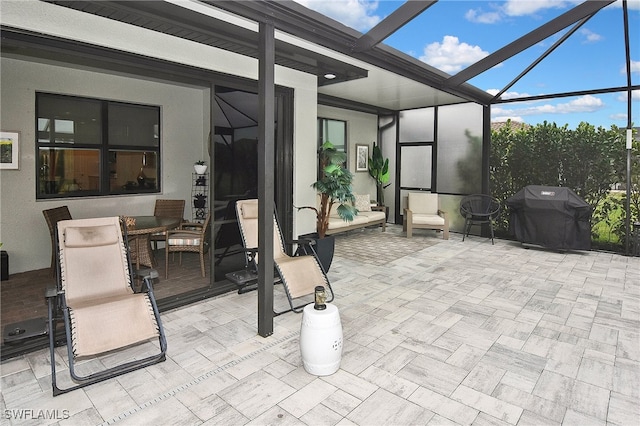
{"x":23,"y":230}
{"x":362,"y":129}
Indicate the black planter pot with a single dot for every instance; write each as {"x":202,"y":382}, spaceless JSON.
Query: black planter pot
{"x":324,"y":248}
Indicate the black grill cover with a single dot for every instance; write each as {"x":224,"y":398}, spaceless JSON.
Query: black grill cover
{"x":553,"y":217}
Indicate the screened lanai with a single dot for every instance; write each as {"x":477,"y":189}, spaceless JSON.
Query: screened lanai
{"x":425,"y":120}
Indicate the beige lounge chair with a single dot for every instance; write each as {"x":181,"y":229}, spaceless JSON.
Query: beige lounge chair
{"x":422,"y":211}
{"x":101,"y":311}
{"x":299,"y":274}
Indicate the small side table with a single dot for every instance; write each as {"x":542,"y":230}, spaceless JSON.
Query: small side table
{"x":321,"y":340}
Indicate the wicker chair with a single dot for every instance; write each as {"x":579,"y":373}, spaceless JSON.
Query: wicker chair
{"x":190,"y":237}
{"x":166,"y":208}
{"x":53,"y":216}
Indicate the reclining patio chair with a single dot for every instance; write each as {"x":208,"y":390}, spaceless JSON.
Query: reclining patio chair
{"x":228,"y":234}
{"x":94,"y":294}
{"x":299,"y":274}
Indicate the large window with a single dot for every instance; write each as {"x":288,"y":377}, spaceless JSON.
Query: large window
{"x":334,"y":131}
{"x":89,"y":147}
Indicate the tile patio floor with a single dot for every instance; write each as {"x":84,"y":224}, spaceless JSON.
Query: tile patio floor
{"x":435,"y":332}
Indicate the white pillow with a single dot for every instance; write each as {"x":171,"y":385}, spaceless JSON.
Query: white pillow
{"x":363,"y":203}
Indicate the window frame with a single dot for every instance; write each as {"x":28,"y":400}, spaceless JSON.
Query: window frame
{"x":105,"y":150}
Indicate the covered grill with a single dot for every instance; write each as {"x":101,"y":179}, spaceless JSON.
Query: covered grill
{"x":553,"y":217}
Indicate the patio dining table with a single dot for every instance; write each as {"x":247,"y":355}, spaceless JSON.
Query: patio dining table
{"x":140,"y":228}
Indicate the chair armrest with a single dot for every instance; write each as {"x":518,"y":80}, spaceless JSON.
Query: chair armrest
{"x":147,"y":285}
{"x":378,"y":208}
{"x":51,"y":291}
{"x":445,"y":216}
{"x":309,"y":241}
{"x":184,"y":225}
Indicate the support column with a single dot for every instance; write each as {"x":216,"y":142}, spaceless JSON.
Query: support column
{"x":266,"y":151}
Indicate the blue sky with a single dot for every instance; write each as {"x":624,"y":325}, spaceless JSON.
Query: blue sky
{"x":454,"y":34}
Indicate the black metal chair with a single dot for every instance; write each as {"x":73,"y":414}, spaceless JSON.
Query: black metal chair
{"x":478,"y":209}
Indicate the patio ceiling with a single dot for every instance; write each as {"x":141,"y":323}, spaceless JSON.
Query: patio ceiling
{"x":370,"y":75}
{"x":409,"y":83}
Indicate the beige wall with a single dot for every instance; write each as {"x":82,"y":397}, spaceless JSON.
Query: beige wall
{"x":362,"y":129}
{"x":185,"y":112}
{"x":23,"y":230}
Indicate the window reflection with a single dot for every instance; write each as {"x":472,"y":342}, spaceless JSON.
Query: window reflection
{"x":132,"y":171}
{"x":96,"y":147}
{"x":65,"y":171}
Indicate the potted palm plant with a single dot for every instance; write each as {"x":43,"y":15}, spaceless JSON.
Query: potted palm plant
{"x":334,"y":187}
{"x":379,"y":171}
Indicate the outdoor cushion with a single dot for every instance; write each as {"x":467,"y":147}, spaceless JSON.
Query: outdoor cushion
{"x":184,"y":240}
{"x":372,"y":216}
{"x":336,"y":222}
{"x":420,"y":202}
{"x":363,"y":203}
{"x":427,"y":219}
{"x":90,"y":236}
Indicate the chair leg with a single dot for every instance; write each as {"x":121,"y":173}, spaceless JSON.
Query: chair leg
{"x":465,"y":230}
{"x":202,"y":263}
{"x":166,"y":262}
{"x":491,"y":226}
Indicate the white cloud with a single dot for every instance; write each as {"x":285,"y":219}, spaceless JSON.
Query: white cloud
{"x":530,"y":7}
{"x":590,"y":36}
{"x":451,"y":55}
{"x":507,"y":94}
{"x":635,"y":96}
{"x":635,"y":67}
{"x":631,"y":4}
{"x":514,"y":8}
{"x":502,"y":119}
{"x":618,"y":117}
{"x":480,"y":17}
{"x":357,"y":14}
{"x":583,"y":104}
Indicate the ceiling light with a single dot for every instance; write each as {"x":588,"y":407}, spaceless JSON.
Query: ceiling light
{"x":329,"y":76}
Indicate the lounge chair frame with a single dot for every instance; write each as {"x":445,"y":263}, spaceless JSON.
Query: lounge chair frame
{"x":58,"y":309}
{"x":282,"y":261}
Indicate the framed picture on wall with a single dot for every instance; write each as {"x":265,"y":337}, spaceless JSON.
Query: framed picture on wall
{"x":362,"y":158}
{"x":9,"y":150}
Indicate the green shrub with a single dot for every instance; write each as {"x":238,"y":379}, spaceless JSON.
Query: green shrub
{"x":590,"y":161}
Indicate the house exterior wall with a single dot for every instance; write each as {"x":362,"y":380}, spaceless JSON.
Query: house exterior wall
{"x":362,"y":129}
{"x":185,"y":118}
